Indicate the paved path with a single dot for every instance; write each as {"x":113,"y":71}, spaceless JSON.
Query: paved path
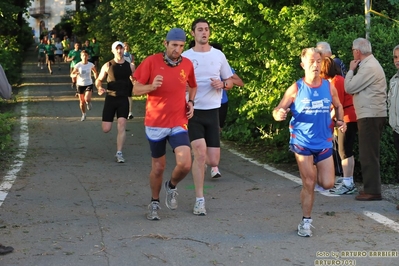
{"x":72,"y":204}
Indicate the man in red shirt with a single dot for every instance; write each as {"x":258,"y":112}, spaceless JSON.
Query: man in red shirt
{"x":164,"y":78}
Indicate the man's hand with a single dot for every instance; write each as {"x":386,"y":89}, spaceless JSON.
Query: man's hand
{"x":157,"y":82}
{"x":353,"y":64}
{"x":101,"y":91}
{"x":280,"y":114}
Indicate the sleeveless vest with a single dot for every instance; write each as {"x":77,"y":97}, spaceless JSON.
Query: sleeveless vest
{"x":118,"y":79}
{"x":311,"y":125}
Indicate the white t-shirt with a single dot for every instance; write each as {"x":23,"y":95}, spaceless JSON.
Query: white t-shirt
{"x":207,"y":65}
{"x":58,"y":45}
{"x":84,"y":77}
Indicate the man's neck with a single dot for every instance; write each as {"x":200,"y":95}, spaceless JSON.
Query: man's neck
{"x":119,"y":60}
{"x":313,"y":81}
{"x":201,"y":48}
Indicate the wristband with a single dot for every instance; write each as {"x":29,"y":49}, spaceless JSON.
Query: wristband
{"x":191,"y":102}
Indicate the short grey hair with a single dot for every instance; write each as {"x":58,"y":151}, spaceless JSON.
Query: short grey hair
{"x":394,"y":49}
{"x":310,"y":50}
{"x":324,"y":47}
{"x":363,"y":45}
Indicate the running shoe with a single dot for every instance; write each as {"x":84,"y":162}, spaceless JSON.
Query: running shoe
{"x":130,"y":116}
{"x":215,"y":172}
{"x":89,"y":106}
{"x":171,"y":197}
{"x":153,"y":208}
{"x":83,"y":118}
{"x":338,"y":182}
{"x":304,"y":228}
{"x":199,"y":208}
{"x":343,"y":189}
{"x":119,"y":157}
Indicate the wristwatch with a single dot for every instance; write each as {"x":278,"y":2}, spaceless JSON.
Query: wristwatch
{"x":191,"y":102}
{"x":225,"y":85}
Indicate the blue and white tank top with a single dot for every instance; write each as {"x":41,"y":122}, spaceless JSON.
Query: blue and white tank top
{"x":311,"y":124}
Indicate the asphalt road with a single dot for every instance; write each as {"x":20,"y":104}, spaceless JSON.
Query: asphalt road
{"x":72,"y":204}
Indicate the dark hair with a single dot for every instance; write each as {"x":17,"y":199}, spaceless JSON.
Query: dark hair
{"x":198,"y":20}
{"x":217,"y":46}
{"x":191,"y":44}
{"x":329,"y":68}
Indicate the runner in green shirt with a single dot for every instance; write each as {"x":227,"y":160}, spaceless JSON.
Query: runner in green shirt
{"x":74,"y":58}
{"x":41,"y":57}
{"x":96,"y":52}
{"x":49,"y":51}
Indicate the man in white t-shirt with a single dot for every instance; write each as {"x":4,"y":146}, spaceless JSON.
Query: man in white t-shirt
{"x":213,"y":74}
{"x":58,"y":52}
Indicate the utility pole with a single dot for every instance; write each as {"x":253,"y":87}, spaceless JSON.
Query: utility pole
{"x":367,"y":17}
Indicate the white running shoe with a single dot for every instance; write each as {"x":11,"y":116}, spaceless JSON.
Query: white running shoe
{"x":215,"y":172}
{"x":304,"y":228}
{"x":83,"y":118}
{"x":153,"y":208}
{"x":89,"y":106}
{"x":171,"y":197}
{"x":199,"y":208}
{"x":343,"y":189}
{"x":338,"y":182}
{"x":119,"y":157}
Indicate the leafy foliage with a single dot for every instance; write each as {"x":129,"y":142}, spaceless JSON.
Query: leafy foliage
{"x":262,"y":40}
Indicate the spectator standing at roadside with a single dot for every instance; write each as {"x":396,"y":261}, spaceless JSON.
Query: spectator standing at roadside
{"x":325,"y":49}
{"x":119,"y":76}
{"x":346,"y":139}
{"x":213,"y":74}
{"x":368,"y":87}
{"x":164,"y":77}
{"x":393,"y":104}
{"x":309,"y":99}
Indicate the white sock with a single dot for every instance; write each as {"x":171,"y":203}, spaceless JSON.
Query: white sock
{"x":348,"y":180}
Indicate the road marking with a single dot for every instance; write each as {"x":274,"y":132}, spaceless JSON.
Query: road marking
{"x":382,"y":220}
{"x":11,"y":175}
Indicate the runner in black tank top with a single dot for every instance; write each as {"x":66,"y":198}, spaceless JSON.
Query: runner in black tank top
{"x":119,"y":76}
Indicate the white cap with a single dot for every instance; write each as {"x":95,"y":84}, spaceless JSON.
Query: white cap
{"x":115,"y":44}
